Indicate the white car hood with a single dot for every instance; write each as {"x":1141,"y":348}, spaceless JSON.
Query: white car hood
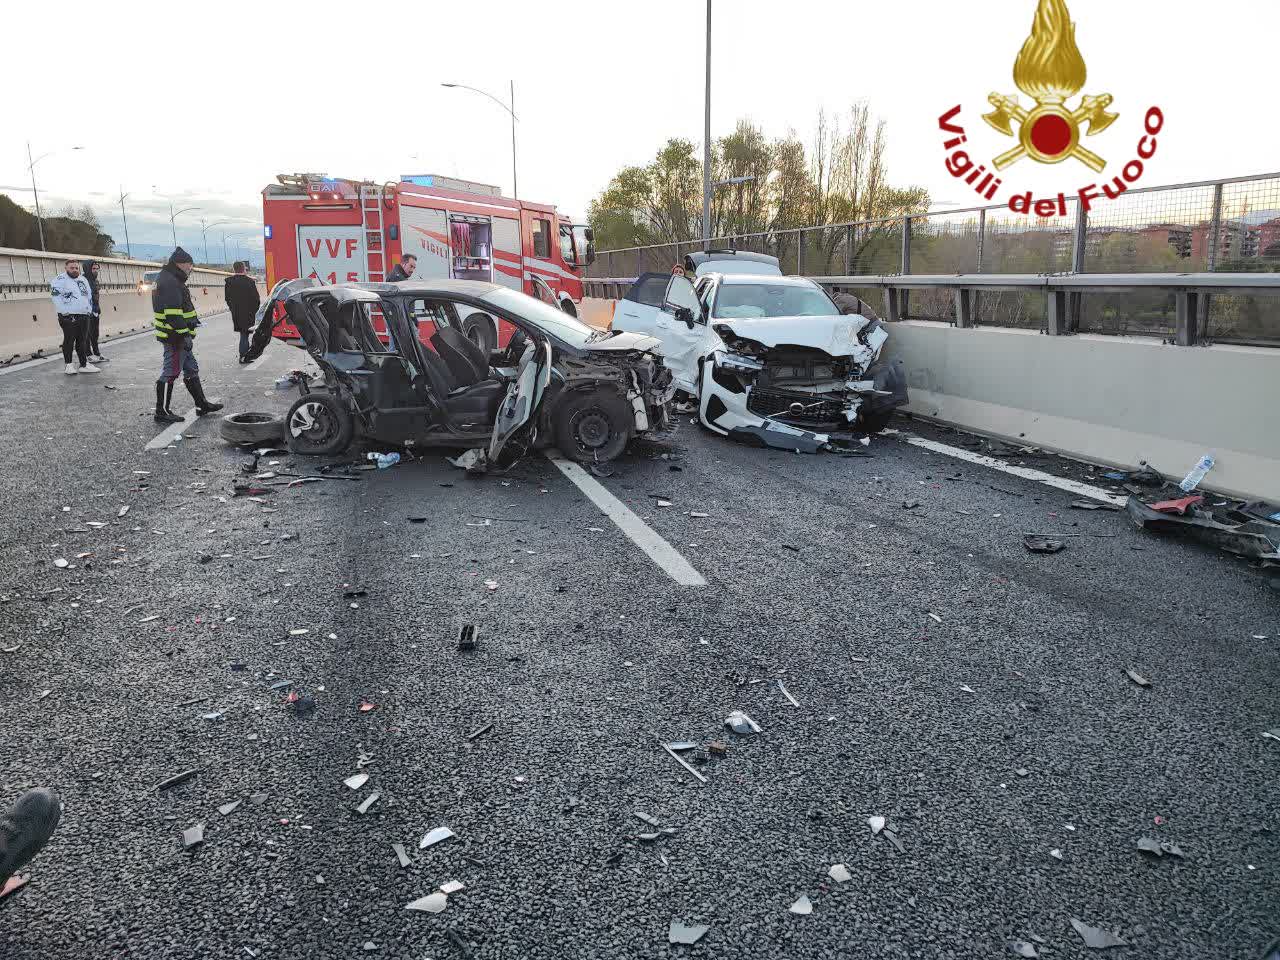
{"x":836,"y":335}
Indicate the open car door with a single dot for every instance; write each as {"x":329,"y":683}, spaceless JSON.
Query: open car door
{"x":516,"y":414}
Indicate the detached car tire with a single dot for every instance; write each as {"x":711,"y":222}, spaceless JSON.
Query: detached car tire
{"x":248,"y":428}
{"x":593,"y":426}
{"x":318,"y":425}
{"x":874,"y":421}
{"x":478,"y":328}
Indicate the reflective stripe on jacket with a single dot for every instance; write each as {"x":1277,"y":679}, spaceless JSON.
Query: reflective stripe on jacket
{"x":173,"y":313}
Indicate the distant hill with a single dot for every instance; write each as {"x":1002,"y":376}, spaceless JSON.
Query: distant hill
{"x":161,"y":251}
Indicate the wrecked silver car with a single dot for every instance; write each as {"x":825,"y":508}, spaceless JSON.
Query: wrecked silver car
{"x":397,"y":369}
{"x":771,"y":359}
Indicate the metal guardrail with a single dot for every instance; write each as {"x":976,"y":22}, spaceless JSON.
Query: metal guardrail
{"x":1062,"y":291}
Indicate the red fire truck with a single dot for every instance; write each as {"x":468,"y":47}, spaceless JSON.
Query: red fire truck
{"x":345,"y":231}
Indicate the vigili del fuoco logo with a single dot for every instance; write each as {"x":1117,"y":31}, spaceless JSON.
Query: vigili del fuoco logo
{"x":1051,"y":71}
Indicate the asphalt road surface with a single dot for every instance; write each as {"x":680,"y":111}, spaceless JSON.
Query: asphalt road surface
{"x":971,"y":693}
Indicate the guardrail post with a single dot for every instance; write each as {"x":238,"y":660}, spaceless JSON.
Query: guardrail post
{"x":1078,"y":250}
{"x":964,"y":301}
{"x":800,"y":253}
{"x":848,"y":250}
{"x":1188,"y":304}
{"x":904,"y":296}
{"x":1215,"y":229}
{"x":1057,"y":319}
{"x":892,"y":298}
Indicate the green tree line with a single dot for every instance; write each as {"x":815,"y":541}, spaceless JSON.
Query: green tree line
{"x":68,"y":231}
{"x":840,"y":177}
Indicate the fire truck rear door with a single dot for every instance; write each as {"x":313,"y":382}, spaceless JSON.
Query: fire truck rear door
{"x":333,"y":254}
{"x":425,"y":234}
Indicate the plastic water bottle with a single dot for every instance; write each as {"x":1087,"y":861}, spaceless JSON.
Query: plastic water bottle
{"x":385,"y":460}
{"x":1192,"y":479}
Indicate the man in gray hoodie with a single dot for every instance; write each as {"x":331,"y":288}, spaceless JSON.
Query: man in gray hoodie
{"x":73,"y":302}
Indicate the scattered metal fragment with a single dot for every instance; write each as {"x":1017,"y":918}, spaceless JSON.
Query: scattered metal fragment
{"x":648,"y":837}
{"x":452,"y":886}
{"x":803,"y":906}
{"x":876,"y":824}
{"x":229,"y":808}
{"x":644,"y":817}
{"x":60,"y":563}
{"x":1159,"y":848}
{"x":431,"y":903}
{"x":1138,"y":678}
{"x":1040,"y":544}
{"x":910,"y":504}
{"x":435,"y":836}
{"x":368,"y":803}
{"x":467,"y":637}
{"x":966,"y":688}
{"x":717,"y":749}
{"x":934,"y":617}
{"x":681,"y":746}
{"x":258,"y":799}
{"x":193,"y":836}
{"x":1273,"y":734}
{"x":839,"y":873}
{"x":1094,"y":505}
{"x":680,"y":760}
{"x":1022,"y":771}
{"x":688,"y":934}
{"x":400,"y":854}
{"x":783,"y":690}
{"x":1020,"y":948}
{"x":892,"y":837}
{"x":474,"y":734}
{"x":740,"y":723}
{"x":176,"y":779}
{"x":1095,"y":938}
{"x":1056,"y":854}
{"x":356,"y":781}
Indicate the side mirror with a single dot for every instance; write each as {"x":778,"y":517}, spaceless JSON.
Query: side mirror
{"x":684,"y":315}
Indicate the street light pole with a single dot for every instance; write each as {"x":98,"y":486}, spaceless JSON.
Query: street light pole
{"x":31,"y":168}
{"x":515,"y":186}
{"x":173,"y":218}
{"x":127,"y":249}
{"x":706,"y":145}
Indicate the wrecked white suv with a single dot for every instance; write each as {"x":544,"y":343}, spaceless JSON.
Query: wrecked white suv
{"x":770,"y":359}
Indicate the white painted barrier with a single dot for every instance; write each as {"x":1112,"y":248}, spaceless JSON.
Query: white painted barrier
{"x":1111,"y":400}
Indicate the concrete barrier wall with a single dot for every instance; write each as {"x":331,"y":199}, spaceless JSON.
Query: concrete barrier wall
{"x":30,"y":326}
{"x":1110,"y":400}
{"x":26,"y":273}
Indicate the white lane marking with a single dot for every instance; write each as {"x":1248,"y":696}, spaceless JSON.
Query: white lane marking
{"x":256,"y":363}
{"x":170,"y":433}
{"x":1048,"y":479}
{"x":640,"y":533}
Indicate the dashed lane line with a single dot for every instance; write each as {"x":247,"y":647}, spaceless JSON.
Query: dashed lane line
{"x":170,"y":433}
{"x":641,"y":534}
{"x":1026,"y":473}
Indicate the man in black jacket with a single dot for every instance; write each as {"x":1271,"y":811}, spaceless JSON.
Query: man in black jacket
{"x":174,"y":317}
{"x":241,"y":294}
{"x":91,"y":274}
{"x":404,"y":269}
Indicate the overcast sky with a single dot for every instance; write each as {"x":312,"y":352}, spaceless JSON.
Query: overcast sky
{"x":206,"y":105}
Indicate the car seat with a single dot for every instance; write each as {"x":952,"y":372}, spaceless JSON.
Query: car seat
{"x":465,"y":360}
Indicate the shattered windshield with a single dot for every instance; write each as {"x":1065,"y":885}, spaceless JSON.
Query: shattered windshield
{"x":545,"y":317}
{"x":741,"y":300}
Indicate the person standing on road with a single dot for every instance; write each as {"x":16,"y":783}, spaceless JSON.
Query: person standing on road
{"x":404,"y":269}
{"x":241,"y":294}
{"x":73,"y":301}
{"x":174,"y":317}
{"x":91,"y":268}
{"x":25,"y":828}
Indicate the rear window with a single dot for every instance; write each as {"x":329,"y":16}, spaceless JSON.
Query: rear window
{"x":650,"y":289}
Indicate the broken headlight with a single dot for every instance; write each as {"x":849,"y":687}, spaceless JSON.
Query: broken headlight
{"x":738,"y":361}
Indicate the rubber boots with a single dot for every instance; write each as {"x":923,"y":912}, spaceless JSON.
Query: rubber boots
{"x":203,"y":404}
{"x":25,"y":828}
{"x":164,"y":394}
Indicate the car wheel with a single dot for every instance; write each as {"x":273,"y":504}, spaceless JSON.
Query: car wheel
{"x":593,"y":426}
{"x":873,"y":421}
{"x":251,"y":428}
{"x":478,"y":328}
{"x":319,"y":425}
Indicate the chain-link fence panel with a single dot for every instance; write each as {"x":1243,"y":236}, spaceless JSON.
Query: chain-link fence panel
{"x":946,"y":243}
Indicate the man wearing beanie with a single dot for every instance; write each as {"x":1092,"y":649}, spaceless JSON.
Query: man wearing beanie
{"x":174,"y":317}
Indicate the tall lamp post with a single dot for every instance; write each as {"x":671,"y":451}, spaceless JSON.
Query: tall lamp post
{"x":706,"y":145}
{"x":235,"y":245}
{"x":515,"y":187}
{"x":128,"y":251}
{"x":31,"y":168}
{"x":204,"y":235}
{"x":173,"y":216}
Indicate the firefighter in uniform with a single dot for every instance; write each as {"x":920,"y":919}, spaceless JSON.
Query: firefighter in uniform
{"x":174,"y":317}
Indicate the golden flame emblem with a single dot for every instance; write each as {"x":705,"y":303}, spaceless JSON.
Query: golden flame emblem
{"x":1050,"y":70}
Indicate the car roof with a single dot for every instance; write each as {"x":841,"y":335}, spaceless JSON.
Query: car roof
{"x":441,"y":288}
